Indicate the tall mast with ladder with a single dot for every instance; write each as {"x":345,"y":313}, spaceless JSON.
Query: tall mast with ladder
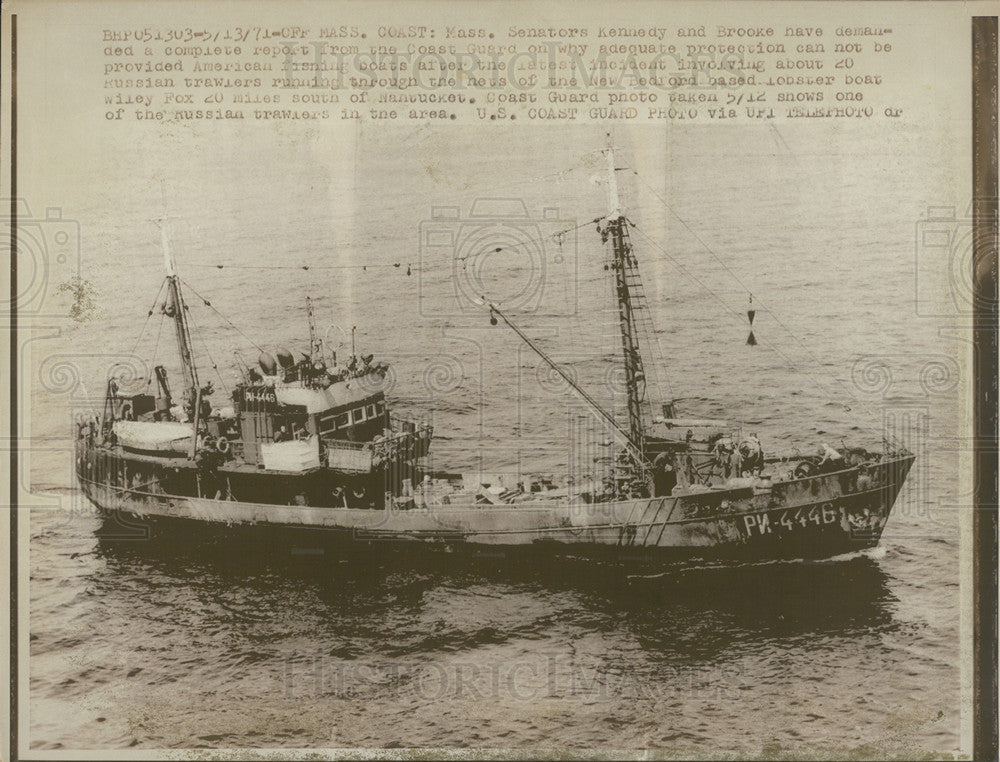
{"x":627,"y":286}
{"x":634,"y":465}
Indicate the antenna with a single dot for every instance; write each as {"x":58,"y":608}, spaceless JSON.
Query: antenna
{"x":614,"y":202}
{"x":168,"y":257}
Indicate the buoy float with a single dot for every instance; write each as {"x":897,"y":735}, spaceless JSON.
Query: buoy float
{"x":267,"y":363}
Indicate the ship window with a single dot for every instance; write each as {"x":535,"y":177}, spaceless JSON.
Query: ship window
{"x":381,"y":407}
{"x":358,"y":414}
{"x":370,"y":410}
{"x":341,"y":420}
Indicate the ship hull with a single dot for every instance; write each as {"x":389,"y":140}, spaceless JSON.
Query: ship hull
{"x":816,"y":517}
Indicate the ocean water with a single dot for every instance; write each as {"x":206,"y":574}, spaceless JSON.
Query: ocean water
{"x":200,"y":643}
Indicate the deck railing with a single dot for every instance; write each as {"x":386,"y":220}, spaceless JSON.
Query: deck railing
{"x":410,"y":439}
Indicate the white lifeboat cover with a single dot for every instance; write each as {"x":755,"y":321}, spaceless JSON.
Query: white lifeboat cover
{"x":168,"y":436}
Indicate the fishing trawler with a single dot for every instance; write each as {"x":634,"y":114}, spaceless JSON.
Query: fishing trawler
{"x":310,"y":447}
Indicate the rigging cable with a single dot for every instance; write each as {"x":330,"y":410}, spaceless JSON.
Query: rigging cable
{"x":742,"y":285}
{"x":228,"y":321}
{"x":148,"y":316}
{"x":559,"y":237}
{"x":721,"y":301}
{"x":721,"y":262}
{"x":396,"y":265}
{"x":208,"y":352}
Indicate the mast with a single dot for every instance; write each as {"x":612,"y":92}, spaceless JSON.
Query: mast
{"x":315,"y":342}
{"x":178,"y":311}
{"x":626,"y":271}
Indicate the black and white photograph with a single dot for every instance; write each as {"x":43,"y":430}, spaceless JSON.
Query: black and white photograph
{"x":521,"y":380}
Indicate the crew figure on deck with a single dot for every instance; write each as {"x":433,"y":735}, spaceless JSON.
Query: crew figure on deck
{"x":664,"y":475}
{"x":724,"y":450}
{"x":830,"y":459}
{"x":751,"y":456}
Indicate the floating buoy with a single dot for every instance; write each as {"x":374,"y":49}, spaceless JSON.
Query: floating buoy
{"x":751,"y":313}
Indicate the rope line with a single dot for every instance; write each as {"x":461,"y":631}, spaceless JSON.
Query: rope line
{"x":306,"y":268}
{"x":148,"y":316}
{"x":757,"y":304}
{"x":204,"y":343}
{"x":732,"y":311}
{"x":156,"y":347}
{"x":228,"y":321}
